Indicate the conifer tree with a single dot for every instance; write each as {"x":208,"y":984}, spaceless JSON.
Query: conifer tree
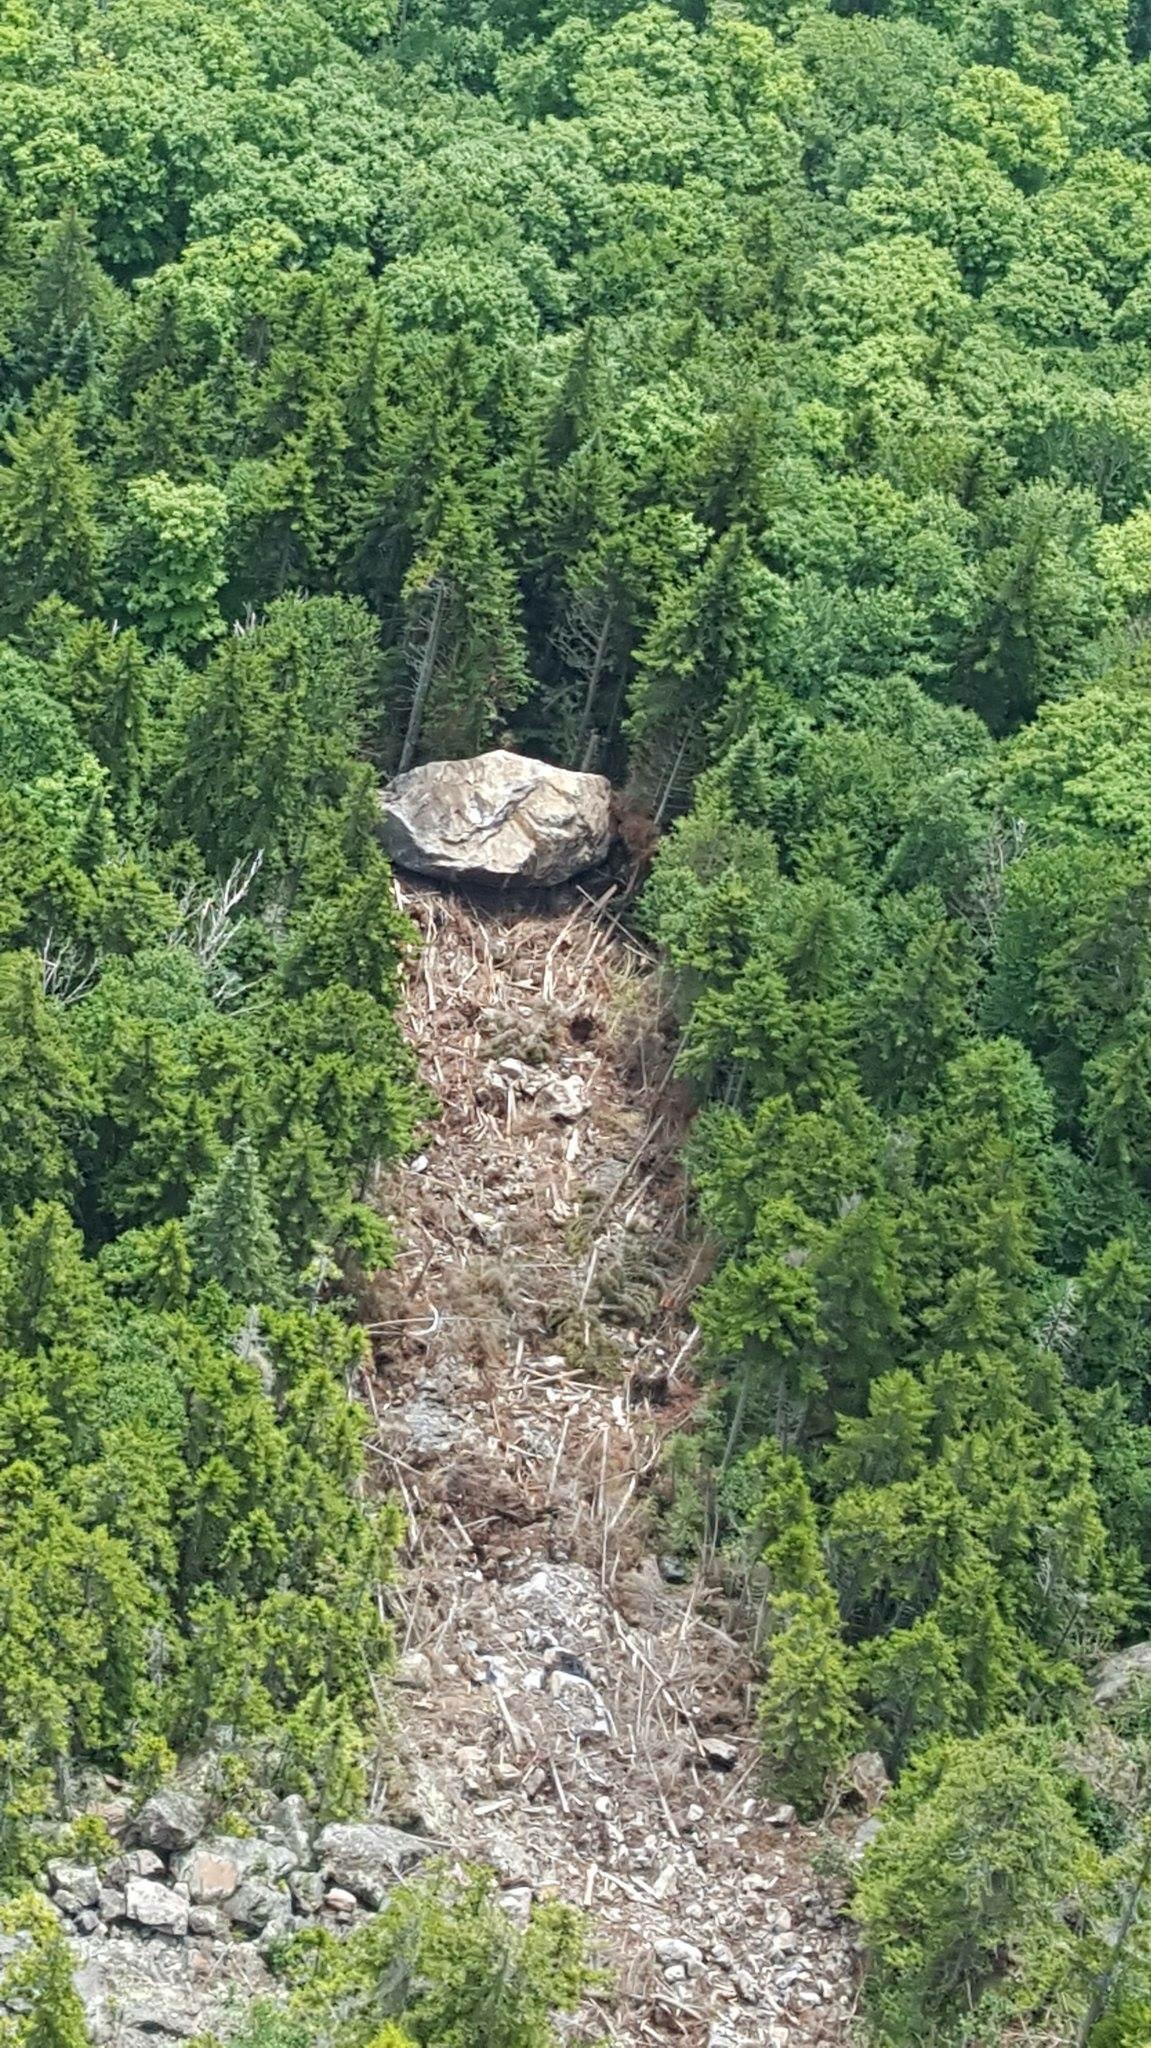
{"x":231,"y":1233}
{"x":50,"y":539}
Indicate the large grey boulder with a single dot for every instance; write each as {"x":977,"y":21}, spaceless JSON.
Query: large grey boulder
{"x":170,"y":1819}
{"x":366,"y":1857}
{"x":497,"y":818}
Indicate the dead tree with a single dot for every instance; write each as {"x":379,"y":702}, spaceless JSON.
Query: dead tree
{"x":425,"y":646}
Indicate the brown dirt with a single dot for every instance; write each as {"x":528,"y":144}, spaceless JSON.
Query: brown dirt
{"x":568,"y":1716}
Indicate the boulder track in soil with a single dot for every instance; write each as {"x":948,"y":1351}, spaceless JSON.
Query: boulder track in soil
{"x":568,"y":1716}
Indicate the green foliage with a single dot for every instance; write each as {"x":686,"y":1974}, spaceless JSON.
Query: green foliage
{"x":979,"y":1848}
{"x":231,"y":1234}
{"x":442,"y":1963}
{"x":37,"y":1984}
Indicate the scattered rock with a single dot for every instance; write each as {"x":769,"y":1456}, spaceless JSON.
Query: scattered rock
{"x":137,"y":1863}
{"x":674,"y":1954}
{"x":203,"y":1920}
{"x":1123,"y":1673}
{"x":135,"y":1989}
{"x":866,"y":1773}
{"x":413,"y":1670}
{"x":516,"y":1901}
{"x":307,"y":1889}
{"x":367,"y":1857}
{"x":170,"y":1820}
{"x":564,"y":1097}
{"x":115,"y":1813}
{"x":294,"y":1823}
{"x":721,"y":1755}
{"x":338,"y":1900}
{"x":279,"y":1926}
{"x":153,"y":1905}
{"x":112,"y":1903}
{"x":431,"y":1429}
{"x":216,"y":1868}
{"x":781,"y":1817}
{"x":498,"y":817}
{"x":865,"y":1834}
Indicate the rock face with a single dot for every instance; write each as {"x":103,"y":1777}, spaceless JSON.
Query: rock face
{"x":497,"y":818}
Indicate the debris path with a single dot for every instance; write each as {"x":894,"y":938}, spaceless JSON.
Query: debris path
{"x":575,"y":1711}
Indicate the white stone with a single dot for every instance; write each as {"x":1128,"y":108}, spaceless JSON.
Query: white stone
{"x":153,"y":1905}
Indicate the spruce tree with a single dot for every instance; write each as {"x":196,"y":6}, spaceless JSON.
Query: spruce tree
{"x":232,"y":1233}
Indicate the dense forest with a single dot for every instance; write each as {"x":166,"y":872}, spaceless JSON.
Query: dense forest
{"x":753,"y":401}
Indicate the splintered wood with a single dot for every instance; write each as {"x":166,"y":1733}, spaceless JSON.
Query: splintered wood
{"x":573,"y":1714}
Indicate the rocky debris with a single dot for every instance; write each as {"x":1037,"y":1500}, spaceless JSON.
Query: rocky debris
{"x":865,"y":1834}
{"x":292,"y":1820}
{"x":307,"y":1889}
{"x":162,"y":1942}
{"x":865,"y":1774}
{"x":1122,"y":1674}
{"x":133,"y":1990}
{"x":367,"y":1858}
{"x":154,"y":1905}
{"x":497,"y":818}
{"x":171,"y":1819}
{"x":571,"y":1714}
{"x":414,"y":1670}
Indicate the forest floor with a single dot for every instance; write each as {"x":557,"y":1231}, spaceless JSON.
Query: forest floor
{"x":568,"y":1716}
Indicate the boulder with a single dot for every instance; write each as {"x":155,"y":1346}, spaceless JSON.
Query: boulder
{"x":80,"y":1880}
{"x":171,"y":1819}
{"x":214,"y":1869}
{"x":210,"y":1873}
{"x":367,"y":1857}
{"x":307,"y":1888}
{"x":1122,"y":1674}
{"x":294,"y":1823}
{"x":153,"y":1905}
{"x":256,"y":1904}
{"x":497,"y":818}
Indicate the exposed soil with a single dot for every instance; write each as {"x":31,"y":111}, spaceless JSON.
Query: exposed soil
{"x":575,"y":1711}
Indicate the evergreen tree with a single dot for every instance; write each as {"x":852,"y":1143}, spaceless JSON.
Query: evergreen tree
{"x":50,"y":540}
{"x":69,"y":308}
{"x":231,"y":1233}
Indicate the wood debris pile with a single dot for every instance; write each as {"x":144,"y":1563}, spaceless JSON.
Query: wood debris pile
{"x":577,"y":1712}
